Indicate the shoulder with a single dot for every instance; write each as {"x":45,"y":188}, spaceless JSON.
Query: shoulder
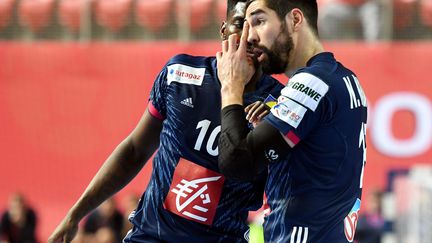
{"x":270,"y":85}
{"x":325,"y":67}
{"x":269,"y":79}
{"x":193,"y":61}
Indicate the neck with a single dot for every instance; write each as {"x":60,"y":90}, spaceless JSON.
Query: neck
{"x":303,"y":51}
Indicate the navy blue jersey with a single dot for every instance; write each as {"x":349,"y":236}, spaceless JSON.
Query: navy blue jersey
{"x":187,"y":199}
{"x":314,"y":195}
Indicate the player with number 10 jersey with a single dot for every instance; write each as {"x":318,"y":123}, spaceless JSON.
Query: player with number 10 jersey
{"x":187,"y":199}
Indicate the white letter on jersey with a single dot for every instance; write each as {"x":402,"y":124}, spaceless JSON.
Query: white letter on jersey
{"x":355,"y":102}
{"x":362,"y":145}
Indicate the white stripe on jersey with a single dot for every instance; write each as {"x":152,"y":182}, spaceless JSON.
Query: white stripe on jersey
{"x":297,"y":236}
{"x":293,"y":233}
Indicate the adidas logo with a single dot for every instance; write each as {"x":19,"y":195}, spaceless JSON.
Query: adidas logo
{"x":187,"y":102}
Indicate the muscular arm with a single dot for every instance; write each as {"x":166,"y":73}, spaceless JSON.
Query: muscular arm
{"x":242,"y":152}
{"x":119,"y":169}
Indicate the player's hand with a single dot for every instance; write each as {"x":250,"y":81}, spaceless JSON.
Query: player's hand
{"x":65,"y":231}
{"x":256,"y":112}
{"x":235,"y":67}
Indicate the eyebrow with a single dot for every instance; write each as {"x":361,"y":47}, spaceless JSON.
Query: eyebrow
{"x":256,"y":12}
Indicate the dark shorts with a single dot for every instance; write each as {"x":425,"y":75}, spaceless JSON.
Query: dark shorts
{"x":136,"y":235}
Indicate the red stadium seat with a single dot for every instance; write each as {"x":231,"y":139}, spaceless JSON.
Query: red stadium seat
{"x":35,"y":14}
{"x":426,"y":12}
{"x":403,"y":13}
{"x":153,"y":14}
{"x":113,"y":14}
{"x":221,"y":8}
{"x":199,"y":12}
{"x":70,"y":13}
{"x":6,"y":8}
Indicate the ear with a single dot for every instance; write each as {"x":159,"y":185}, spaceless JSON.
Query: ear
{"x":295,"y":18}
{"x":222,"y":31}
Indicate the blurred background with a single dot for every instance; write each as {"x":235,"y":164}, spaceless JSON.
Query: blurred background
{"x":75,"y":76}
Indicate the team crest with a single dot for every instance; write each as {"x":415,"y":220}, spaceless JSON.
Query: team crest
{"x":195,"y":192}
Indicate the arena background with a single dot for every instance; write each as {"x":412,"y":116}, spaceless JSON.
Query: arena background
{"x":68,"y":98}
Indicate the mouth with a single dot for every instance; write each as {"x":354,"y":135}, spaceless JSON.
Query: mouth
{"x":254,"y":52}
{"x":258,"y":54}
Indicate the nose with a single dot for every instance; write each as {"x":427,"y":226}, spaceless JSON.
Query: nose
{"x":252,"y":36}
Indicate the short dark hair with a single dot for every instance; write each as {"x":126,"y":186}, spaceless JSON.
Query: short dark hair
{"x":282,"y":7}
{"x":231,"y":4}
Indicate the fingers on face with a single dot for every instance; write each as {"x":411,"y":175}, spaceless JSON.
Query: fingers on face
{"x":232,"y":42}
{"x":218,"y":55}
{"x":225,"y":45}
{"x":243,"y":38}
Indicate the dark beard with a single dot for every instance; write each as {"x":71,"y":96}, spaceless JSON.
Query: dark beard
{"x":278,"y":55}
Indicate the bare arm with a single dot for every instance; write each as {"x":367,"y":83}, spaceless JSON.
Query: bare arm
{"x":125,"y":162}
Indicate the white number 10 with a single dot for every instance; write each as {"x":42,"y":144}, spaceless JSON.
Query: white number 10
{"x":204,"y":126}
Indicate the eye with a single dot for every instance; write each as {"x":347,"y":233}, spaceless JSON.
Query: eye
{"x":238,"y":24}
{"x":257,"y":20}
{"x":260,"y":21}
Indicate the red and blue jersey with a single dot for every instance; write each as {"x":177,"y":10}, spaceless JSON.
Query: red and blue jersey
{"x":314,"y":194}
{"x":187,"y":199}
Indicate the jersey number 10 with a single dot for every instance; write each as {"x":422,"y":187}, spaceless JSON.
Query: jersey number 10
{"x":211,"y":146}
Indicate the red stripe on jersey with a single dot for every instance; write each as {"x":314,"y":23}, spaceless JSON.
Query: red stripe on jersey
{"x":292,"y":137}
{"x":154,"y":112}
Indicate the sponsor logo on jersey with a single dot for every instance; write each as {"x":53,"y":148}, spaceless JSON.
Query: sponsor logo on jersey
{"x":270,"y":101}
{"x":185,"y":74}
{"x":306,"y":89}
{"x":282,"y":99}
{"x":350,"y":221}
{"x":187,"y":102}
{"x":194,"y":192}
{"x":271,"y":155}
{"x":289,"y":112}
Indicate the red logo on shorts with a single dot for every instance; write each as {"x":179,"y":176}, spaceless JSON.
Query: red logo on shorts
{"x":350,"y":224}
{"x":195,"y":192}
{"x":350,"y":221}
